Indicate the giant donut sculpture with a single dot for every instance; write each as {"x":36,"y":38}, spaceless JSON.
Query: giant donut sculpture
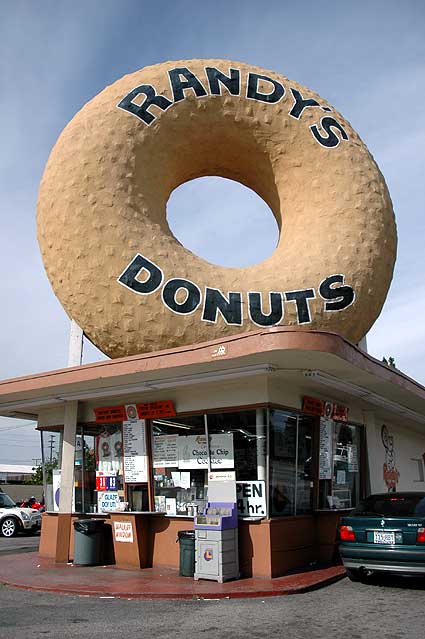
{"x":130,"y":284}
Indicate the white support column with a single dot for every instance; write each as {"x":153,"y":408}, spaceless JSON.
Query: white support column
{"x":260,"y":432}
{"x":68,"y":456}
{"x":75,"y":353}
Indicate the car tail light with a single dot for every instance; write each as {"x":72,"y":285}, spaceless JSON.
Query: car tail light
{"x":347,"y":533}
{"x":420,"y":537}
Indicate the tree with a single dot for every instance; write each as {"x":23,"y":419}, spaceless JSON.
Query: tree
{"x":37,"y":476}
{"x":389,"y":362}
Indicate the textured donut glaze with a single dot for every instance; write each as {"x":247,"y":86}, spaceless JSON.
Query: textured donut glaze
{"x":104,"y":192}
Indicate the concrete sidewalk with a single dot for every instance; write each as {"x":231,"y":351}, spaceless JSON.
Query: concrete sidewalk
{"x":30,"y":572}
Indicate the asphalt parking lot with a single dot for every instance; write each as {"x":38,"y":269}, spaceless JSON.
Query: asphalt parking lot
{"x":393,"y":609}
{"x":20,"y":543}
{"x":386,"y":608}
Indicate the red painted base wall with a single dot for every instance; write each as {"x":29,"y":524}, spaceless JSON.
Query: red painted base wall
{"x":268,"y":548}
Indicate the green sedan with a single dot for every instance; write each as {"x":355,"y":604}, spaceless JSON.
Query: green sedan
{"x":384,"y":533}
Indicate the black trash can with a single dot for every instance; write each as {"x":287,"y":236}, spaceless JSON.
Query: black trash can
{"x":88,"y":547}
{"x":186,"y":539}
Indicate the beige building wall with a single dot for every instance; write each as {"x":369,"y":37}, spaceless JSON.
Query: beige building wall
{"x":196,"y":398}
{"x":404,"y":456}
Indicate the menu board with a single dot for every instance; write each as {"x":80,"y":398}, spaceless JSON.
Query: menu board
{"x":165,"y":451}
{"x":325,"y":455}
{"x":135,"y":459}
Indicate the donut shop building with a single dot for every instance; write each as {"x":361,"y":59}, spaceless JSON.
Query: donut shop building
{"x":304,"y":421}
{"x":237,"y":402}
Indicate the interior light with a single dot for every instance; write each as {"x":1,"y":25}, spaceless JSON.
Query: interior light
{"x":163,"y":422}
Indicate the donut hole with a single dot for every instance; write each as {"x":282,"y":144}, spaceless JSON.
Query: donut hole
{"x":222,"y":221}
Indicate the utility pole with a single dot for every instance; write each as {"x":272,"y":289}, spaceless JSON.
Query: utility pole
{"x":76,"y":343}
{"x":51,"y":444}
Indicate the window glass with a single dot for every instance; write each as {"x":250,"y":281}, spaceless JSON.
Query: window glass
{"x":138,"y":499}
{"x":85,"y":497}
{"x":180,"y":464}
{"x":51,"y":442}
{"x":98,"y":469}
{"x":237,"y":441}
{"x":283,"y":440}
{"x":304,"y":466}
{"x":290,"y":463}
{"x":342,"y":488}
{"x":6,"y":501}
{"x":238,"y":432}
{"x":400,"y":505}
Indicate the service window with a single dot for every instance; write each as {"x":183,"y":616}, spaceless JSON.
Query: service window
{"x":180,"y":463}
{"x":339,"y":465}
{"x":182,"y":448}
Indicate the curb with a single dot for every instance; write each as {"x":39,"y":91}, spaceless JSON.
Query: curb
{"x":294,"y":590}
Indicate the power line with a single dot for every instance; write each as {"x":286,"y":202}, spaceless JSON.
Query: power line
{"x":20,"y":445}
{"x":51,"y":444}
{"x":11,"y":438}
{"x":3,"y":430}
{"x":23,"y":462}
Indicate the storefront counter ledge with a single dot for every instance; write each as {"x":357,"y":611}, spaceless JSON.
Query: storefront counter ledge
{"x":145,"y":539}
{"x":56,"y":528}
{"x":152,"y":541}
{"x":267,"y":547}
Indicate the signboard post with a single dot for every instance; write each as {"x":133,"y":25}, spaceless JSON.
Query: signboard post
{"x":325,"y":453}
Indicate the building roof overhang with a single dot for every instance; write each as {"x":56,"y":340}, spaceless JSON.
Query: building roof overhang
{"x":312,"y":359}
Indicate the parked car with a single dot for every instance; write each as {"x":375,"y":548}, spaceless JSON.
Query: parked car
{"x":13,"y":518}
{"x":386,"y":532}
{"x":32,"y":503}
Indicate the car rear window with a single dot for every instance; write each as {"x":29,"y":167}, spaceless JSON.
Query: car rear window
{"x":392,"y":505}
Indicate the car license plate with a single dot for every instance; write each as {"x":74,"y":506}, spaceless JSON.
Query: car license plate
{"x":380,"y":537}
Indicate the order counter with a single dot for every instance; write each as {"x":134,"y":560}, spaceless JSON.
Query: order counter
{"x":138,"y":538}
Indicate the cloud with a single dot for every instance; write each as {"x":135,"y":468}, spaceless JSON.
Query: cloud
{"x":400,"y":332}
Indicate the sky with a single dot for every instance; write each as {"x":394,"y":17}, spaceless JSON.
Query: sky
{"x":367,"y":58}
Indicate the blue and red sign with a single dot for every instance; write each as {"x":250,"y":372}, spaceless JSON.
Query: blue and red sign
{"x":106,"y":482}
